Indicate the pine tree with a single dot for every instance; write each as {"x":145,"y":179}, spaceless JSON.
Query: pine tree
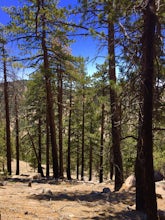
{"x":7,"y":112}
{"x":147,"y":174}
{"x":37,"y":24}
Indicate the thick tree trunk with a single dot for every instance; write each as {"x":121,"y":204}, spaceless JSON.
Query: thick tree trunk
{"x":8,"y":143}
{"x":150,"y":204}
{"x":115,"y":111}
{"x":49,"y":100}
{"x":60,"y":115}
{"x":51,"y":121}
{"x":139,"y":169}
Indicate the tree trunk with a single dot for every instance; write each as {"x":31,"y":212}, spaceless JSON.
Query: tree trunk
{"x":47,"y":148}
{"x":90,"y":153}
{"x":111,"y":164}
{"x":139,"y":169}
{"x":78,"y":158}
{"x":40,"y":170}
{"x":82,"y":146}
{"x":102,"y":142}
{"x":49,"y":99}
{"x":69,"y":135}
{"x":60,"y":111}
{"x":148,"y":38}
{"x":8,"y":143}
{"x":115,"y":111}
{"x":35,"y":152}
{"x":51,"y":121}
{"x":17,"y":134}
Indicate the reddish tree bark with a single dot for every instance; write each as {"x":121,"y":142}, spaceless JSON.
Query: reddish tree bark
{"x":145,"y":174}
{"x":115,"y":111}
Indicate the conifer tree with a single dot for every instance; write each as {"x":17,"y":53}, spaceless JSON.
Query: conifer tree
{"x":36,"y":25}
{"x":6,"y":101}
{"x":105,"y":15}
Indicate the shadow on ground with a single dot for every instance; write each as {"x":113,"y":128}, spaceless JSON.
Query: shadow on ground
{"x":91,"y":199}
{"x":97,"y":198}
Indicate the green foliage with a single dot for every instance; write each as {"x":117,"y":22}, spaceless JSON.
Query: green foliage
{"x":2,"y":163}
{"x":26,"y":27}
{"x":159,"y":162}
{"x":2,"y":140}
{"x":129,"y":156}
{"x":3,"y":175}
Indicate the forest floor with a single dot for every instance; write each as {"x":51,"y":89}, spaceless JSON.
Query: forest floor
{"x":68,"y":200}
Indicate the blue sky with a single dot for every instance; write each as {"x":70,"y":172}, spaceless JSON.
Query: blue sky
{"x":85,"y":47}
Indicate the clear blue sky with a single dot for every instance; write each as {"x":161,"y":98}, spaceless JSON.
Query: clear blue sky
{"x":85,"y":47}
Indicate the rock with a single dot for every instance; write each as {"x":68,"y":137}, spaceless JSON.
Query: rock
{"x":161,"y":215}
{"x":106,"y":190}
{"x":47,"y":192}
{"x":71,"y":216}
{"x":160,"y":189}
{"x":54,"y":182}
{"x":130,"y":181}
{"x":3,"y":183}
{"x":36,"y":176}
{"x":158,"y":176}
{"x":131,"y":207}
{"x":25,"y":175}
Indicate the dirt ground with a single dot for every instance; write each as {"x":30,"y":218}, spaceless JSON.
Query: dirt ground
{"x":68,"y":200}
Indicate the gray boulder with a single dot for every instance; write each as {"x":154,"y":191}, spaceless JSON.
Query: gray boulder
{"x":3,"y":183}
{"x":130,"y":181}
{"x":106,"y":190}
{"x":160,"y":188}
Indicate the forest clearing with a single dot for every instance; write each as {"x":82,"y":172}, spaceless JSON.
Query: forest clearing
{"x":82,"y":91}
{"x":68,"y":200}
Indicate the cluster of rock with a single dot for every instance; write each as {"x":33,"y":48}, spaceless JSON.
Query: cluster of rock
{"x":130,"y":182}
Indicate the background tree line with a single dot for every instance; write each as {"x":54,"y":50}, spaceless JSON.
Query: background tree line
{"x":109,"y":124}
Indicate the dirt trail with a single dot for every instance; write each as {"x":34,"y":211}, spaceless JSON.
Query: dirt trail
{"x":52,"y":200}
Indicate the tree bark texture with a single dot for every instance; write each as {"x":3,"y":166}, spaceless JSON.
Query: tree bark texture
{"x":40,"y":170}
{"x":83,"y":143}
{"x":78,"y":158}
{"x":148,"y":43}
{"x":49,"y":100}
{"x":102,"y":140}
{"x":69,"y":136}
{"x":47,"y":147}
{"x":90,"y":152}
{"x":60,"y":116}
{"x":115,"y":111}
{"x":16,"y":134}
